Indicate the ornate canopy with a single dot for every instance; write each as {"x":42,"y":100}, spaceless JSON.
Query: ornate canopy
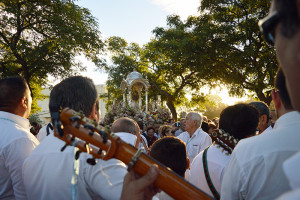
{"x":134,"y":79}
{"x":135,"y":83}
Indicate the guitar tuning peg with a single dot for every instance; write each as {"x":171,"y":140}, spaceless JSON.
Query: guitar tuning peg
{"x":91,"y":161}
{"x":225,"y":134}
{"x":104,"y":136}
{"x":74,"y":118}
{"x":77,"y":154}
{"x":64,"y":147}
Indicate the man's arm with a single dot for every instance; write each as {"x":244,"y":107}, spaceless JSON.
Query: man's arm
{"x":18,"y":151}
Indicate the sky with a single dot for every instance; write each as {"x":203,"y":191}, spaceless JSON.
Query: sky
{"x":134,"y":20}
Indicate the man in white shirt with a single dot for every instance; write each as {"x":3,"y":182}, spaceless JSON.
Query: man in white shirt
{"x":255,"y":168}
{"x":47,"y":172}
{"x":195,"y":138}
{"x":16,"y":141}
{"x":238,"y":121}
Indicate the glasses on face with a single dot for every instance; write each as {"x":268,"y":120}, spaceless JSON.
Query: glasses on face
{"x":267,"y":27}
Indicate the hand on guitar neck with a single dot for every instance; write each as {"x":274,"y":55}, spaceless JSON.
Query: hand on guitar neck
{"x":140,"y":188}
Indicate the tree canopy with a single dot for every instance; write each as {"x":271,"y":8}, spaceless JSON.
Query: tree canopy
{"x":243,"y":61}
{"x":222,"y":45}
{"x":39,"y":38}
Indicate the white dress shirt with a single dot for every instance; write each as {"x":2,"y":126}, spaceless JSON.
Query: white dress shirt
{"x":267,"y":130}
{"x":216,"y":162}
{"x":291,"y":169}
{"x":42,"y":133}
{"x":195,"y":144}
{"x":255,"y":169}
{"x":47,"y":173}
{"x":178,"y":132}
{"x":16,"y":144}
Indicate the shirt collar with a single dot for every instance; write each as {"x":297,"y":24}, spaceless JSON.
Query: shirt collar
{"x":21,"y":121}
{"x":127,"y":137}
{"x":287,"y":119}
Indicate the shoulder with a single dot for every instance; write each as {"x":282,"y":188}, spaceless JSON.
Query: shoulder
{"x":183,"y":135}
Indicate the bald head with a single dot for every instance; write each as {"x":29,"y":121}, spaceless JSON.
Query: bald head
{"x":125,"y":124}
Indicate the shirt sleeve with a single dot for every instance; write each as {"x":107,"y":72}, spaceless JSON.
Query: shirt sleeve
{"x":105,"y":179}
{"x":232,"y":180}
{"x":17,"y":152}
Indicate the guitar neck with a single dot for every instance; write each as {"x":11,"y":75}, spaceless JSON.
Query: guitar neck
{"x":167,"y":180}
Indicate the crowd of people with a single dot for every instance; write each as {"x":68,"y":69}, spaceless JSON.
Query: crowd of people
{"x":260,"y":161}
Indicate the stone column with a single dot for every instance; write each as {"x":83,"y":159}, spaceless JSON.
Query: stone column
{"x":146,"y":99}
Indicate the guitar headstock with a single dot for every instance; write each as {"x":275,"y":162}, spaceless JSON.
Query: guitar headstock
{"x":77,"y":130}
{"x":224,"y":140}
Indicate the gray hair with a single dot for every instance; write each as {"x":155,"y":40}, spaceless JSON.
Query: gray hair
{"x":262,"y":108}
{"x":196,"y":117}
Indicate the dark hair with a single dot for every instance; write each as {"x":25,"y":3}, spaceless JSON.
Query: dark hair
{"x":287,"y":10}
{"x":164,"y":129}
{"x":124,"y":124}
{"x":141,"y":124}
{"x":12,"y":90}
{"x":149,"y":128}
{"x":262,"y":108}
{"x":282,"y":90}
{"x":77,"y":92}
{"x":239,"y":120}
{"x":204,"y":126}
{"x":171,"y":152}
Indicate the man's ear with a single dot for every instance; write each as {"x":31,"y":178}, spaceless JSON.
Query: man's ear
{"x":94,"y":115}
{"x":264,"y":119}
{"x":24,"y":102}
{"x":276,"y":99}
{"x":187,"y":163}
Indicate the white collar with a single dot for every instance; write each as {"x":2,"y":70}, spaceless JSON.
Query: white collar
{"x":21,"y":121}
{"x":127,"y":137}
{"x":287,"y":119}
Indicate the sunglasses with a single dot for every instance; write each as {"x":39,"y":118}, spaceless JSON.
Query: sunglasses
{"x":267,"y":27}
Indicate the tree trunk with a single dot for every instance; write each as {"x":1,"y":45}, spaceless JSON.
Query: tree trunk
{"x":172,"y":108}
{"x":267,"y":98}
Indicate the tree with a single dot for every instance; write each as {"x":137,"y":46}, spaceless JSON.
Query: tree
{"x":169,"y":62}
{"x":243,"y":61}
{"x":39,"y":38}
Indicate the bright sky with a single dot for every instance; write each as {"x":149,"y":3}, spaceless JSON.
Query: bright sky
{"x":134,"y":21}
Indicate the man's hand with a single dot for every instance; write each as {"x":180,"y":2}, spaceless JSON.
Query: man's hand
{"x":140,"y":188}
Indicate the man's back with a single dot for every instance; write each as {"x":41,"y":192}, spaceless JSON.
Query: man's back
{"x":15,"y":145}
{"x":47,"y":174}
{"x":255,"y":168}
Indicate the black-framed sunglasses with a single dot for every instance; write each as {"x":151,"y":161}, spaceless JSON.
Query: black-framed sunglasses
{"x":267,"y":27}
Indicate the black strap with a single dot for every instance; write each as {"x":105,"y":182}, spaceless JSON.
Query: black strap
{"x":49,"y":126}
{"x":207,"y":177}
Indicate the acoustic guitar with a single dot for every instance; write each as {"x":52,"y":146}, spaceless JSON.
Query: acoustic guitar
{"x":77,"y":130}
